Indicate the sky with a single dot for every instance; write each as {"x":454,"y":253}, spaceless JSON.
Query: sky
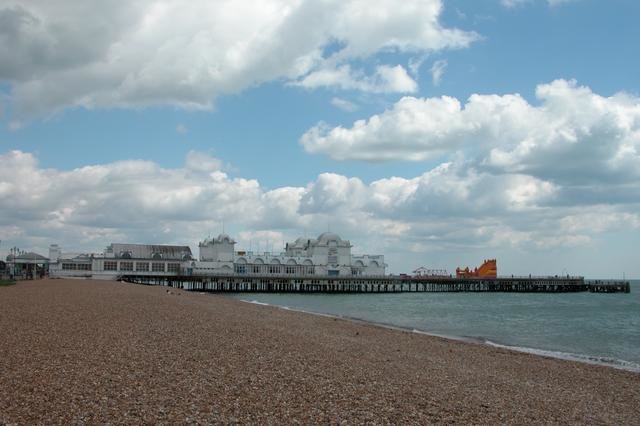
{"x":438,"y":133}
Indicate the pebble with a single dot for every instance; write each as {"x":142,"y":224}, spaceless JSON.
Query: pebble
{"x":74,"y":351}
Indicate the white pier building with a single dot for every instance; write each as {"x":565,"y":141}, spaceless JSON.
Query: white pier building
{"x":328,"y":255}
{"x":120,"y":259}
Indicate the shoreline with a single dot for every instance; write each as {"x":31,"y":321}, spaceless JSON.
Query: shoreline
{"x":618,"y":364}
{"x":108,"y":352}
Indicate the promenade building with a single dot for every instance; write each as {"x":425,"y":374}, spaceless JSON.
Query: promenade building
{"x":120,"y":259}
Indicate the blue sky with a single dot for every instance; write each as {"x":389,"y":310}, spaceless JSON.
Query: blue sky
{"x":171,"y":102}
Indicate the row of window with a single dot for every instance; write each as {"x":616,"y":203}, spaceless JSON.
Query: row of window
{"x":76,"y":266}
{"x":273,"y":269}
{"x":110,"y":265}
{"x":154,"y":256}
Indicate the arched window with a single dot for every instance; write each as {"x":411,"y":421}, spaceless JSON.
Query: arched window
{"x":156,"y":256}
{"x":257,"y":267}
{"x":275,"y":267}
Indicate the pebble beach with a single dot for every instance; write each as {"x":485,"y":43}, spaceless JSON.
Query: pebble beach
{"x":86,"y":352}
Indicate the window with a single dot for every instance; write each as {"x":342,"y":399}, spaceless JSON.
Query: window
{"x":241,"y":269}
{"x":110,"y":265}
{"x":76,"y":266}
{"x":142,"y":266}
{"x":274,"y":269}
{"x":333,"y":256}
{"x":173,"y":267}
{"x":156,"y":256}
{"x":126,"y":266}
{"x":290,"y":269}
{"x":157,"y":267}
{"x":256,"y":269}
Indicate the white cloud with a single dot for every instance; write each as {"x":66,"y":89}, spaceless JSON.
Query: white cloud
{"x":344,"y":104}
{"x":202,"y":162}
{"x":386,"y":79}
{"x":182,"y":129}
{"x":414,"y":129}
{"x":59,"y":54}
{"x":415,"y":64}
{"x":516,"y":3}
{"x":15,"y":125}
{"x":454,"y":206}
{"x":574,"y":136}
{"x":437,"y":71}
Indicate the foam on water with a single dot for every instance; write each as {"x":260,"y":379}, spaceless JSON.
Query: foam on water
{"x":255,"y":302}
{"x":610,"y":362}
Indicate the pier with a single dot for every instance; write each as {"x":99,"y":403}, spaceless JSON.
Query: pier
{"x":382,"y":284}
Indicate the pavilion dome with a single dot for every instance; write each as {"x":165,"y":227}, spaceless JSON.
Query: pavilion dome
{"x":299,"y":243}
{"x":325,"y":237}
{"x":222,"y":237}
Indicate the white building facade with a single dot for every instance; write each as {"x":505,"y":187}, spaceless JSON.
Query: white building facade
{"x":120,"y":259}
{"x":328,"y":255}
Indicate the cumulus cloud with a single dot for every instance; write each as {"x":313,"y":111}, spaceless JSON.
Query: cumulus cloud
{"x":574,"y":136}
{"x":134,"y":198}
{"x":414,"y":129}
{"x":59,"y":54}
{"x":453,"y":206}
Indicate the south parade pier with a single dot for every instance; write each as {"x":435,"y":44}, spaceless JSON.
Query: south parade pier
{"x":307,"y":265}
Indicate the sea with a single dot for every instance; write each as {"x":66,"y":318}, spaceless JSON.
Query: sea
{"x":598,"y":328}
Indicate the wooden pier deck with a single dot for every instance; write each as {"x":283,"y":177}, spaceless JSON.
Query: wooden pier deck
{"x":386,"y":284}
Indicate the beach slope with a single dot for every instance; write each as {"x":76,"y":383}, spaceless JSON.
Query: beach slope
{"x":74,"y":351}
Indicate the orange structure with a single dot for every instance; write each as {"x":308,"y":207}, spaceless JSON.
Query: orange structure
{"x":489,"y":269}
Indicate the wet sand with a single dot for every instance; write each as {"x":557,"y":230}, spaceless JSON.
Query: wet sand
{"x":75,"y":351}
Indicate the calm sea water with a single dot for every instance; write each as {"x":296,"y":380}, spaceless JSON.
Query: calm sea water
{"x":600,"y":328}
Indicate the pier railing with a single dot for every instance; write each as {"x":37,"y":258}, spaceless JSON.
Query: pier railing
{"x":609,"y":286}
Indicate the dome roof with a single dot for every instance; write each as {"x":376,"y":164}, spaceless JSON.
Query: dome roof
{"x":328,"y":236}
{"x":222,"y":237}
{"x":299,"y":243}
